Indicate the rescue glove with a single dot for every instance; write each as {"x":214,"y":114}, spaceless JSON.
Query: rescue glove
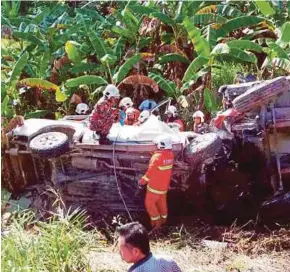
{"x":140,"y":190}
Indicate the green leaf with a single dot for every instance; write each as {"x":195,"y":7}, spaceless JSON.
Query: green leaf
{"x":163,"y":18}
{"x":209,"y":100}
{"x":141,"y":9}
{"x":130,"y":20}
{"x":243,"y":55}
{"x":44,"y":64}
{"x":17,"y":69}
{"x":60,"y":96}
{"x":210,"y":35}
{"x":84,"y":67}
{"x":90,"y":13}
{"x":72,"y":51}
{"x":143,"y":42}
{"x":168,"y":86}
{"x":285,"y":32}
{"x":28,"y":37}
{"x":88,"y":80}
{"x":265,"y":7}
{"x":120,"y":47}
{"x":208,"y":18}
{"x":282,"y":63}
{"x":126,"y":67}
{"x":109,"y":59}
{"x":201,"y":46}
{"x":123,"y":32}
{"x":227,"y":10}
{"x":98,"y":44}
{"x":195,"y":65}
{"x":280,"y":53}
{"x":244,"y":44}
{"x":236,"y":23}
{"x":36,"y":114}
{"x":173,"y":57}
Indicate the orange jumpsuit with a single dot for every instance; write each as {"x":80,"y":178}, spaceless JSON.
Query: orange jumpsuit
{"x":157,"y":179}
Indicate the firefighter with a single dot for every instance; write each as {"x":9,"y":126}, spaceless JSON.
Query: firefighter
{"x":157,"y":180}
{"x":124,"y":104}
{"x":144,"y":115}
{"x":82,"y":109}
{"x":199,"y":126}
{"x":172,"y":117}
{"x":105,"y":113}
{"x":132,"y":116}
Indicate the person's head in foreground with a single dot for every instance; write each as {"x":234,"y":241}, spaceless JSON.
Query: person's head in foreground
{"x":112,"y":94}
{"x":133,"y":242}
{"x":198,"y":117}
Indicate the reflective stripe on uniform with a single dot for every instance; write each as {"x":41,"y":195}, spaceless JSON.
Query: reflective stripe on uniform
{"x":154,"y":218}
{"x":164,"y":216}
{"x":163,"y":168}
{"x":156,"y":191}
{"x":145,"y":178}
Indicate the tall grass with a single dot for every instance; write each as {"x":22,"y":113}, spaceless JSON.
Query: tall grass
{"x":61,"y":244}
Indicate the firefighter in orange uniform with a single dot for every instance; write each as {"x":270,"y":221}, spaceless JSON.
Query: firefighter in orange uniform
{"x":157,"y":179}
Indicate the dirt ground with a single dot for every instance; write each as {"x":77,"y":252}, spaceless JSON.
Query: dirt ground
{"x":230,"y":249}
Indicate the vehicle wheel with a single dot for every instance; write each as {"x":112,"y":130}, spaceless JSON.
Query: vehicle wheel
{"x":202,"y":147}
{"x":260,"y":94}
{"x":49,"y":145}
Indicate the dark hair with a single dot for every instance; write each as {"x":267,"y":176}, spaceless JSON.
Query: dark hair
{"x":136,"y":235}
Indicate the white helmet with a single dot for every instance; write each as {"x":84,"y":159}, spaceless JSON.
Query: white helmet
{"x":172,"y":110}
{"x":199,"y":114}
{"x":126,"y":102}
{"x":163,"y":141}
{"x":111,"y":91}
{"x":82,"y":108}
{"x":144,"y":115}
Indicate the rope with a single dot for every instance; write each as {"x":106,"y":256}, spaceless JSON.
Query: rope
{"x":116,"y":179}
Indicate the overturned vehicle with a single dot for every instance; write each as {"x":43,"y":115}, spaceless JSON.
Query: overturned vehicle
{"x":229,"y":171}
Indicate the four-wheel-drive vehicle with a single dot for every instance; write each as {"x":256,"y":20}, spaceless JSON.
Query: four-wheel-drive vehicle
{"x":227,"y":171}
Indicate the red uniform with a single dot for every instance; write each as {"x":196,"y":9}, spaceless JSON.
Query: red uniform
{"x":103,"y":117}
{"x":157,"y":179}
{"x":132,"y":117}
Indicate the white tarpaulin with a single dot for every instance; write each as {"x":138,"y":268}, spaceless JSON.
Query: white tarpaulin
{"x":146,"y":132}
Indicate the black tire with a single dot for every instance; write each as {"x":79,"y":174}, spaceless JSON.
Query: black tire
{"x":49,"y":145}
{"x":260,"y":94}
{"x":202,"y":147}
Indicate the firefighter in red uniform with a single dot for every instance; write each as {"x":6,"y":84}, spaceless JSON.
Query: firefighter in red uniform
{"x":172,"y":117}
{"x":157,"y":179}
{"x":132,"y":116}
{"x":105,"y":113}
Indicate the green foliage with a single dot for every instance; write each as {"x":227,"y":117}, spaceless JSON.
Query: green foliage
{"x":87,"y":80}
{"x":265,"y":7}
{"x":126,"y":67}
{"x":201,"y":46}
{"x":168,"y":86}
{"x":173,"y":57}
{"x":196,"y":64}
{"x":210,"y":101}
{"x":72,"y":51}
{"x":61,"y":244}
{"x":17,"y":69}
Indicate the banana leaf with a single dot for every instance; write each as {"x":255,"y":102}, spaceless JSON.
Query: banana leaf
{"x":72,"y":51}
{"x":36,"y":114}
{"x":44,"y":64}
{"x":265,"y":7}
{"x":84,"y":67}
{"x":282,"y":63}
{"x":28,"y":37}
{"x":209,"y":100}
{"x":39,"y":83}
{"x":210,"y":35}
{"x":280,"y":53}
{"x":120,"y":46}
{"x":227,"y":10}
{"x":142,"y":80}
{"x":87,"y":80}
{"x":201,"y":46}
{"x":244,"y":44}
{"x":285,"y":32}
{"x":98,"y":44}
{"x":90,"y":13}
{"x":236,"y":23}
{"x":168,"y":86}
{"x":17,"y":69}
{"x":130,"y":20}
{"x":173,"y":57}
{"x":141,"y":9}
{"x":163,"y":18}
{"x":126,"y":67}
{"x":195,"y":65}
{"x":208,"y":18}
